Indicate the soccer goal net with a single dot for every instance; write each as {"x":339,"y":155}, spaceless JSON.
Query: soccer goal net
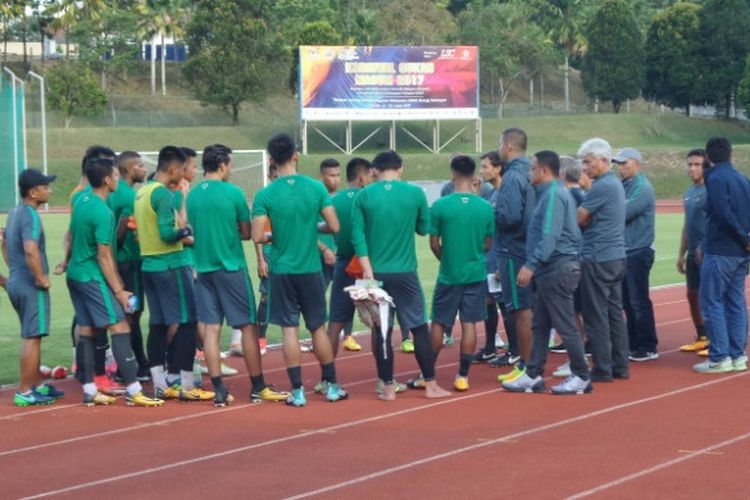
{"x":250,"y":170}
{"x":12,"y":137}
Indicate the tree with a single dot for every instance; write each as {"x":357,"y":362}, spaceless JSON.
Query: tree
{"x":233,"y":55}
{"x":725,"y":43}
{"x":417,"y":22}
{"x":672,"y":59}
{"x":521,"y":51}
{"x":10,"y":12}
{"x":163,"y":18}
{"x":743,"y":92}
{"x":613,"y":67}
{"x":73,"y":90}
{"x":315,"y":33}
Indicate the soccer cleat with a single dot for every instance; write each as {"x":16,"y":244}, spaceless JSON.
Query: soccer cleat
{"x":306,"y":347}
{"x":98,"y":399}
{"x":31,"y":398}
{"x":144,"y":375}
{"x":558,"y":348}
{"x":197,"y":394}
{"x":108,"y":386}
{"x":700,"y":344}
{"x":336,"y":393}
{"x":524,"y":383}
{"x":268,"y":393}
{"x":739,"y":364}
{"x":200,"y":355}
{"x":171,"y":392}
{"x":461,"y":384}
{"x":297,"y":398}
{"x":407,"y":346}
{"x":222,"y":399}
{"x":573,"y":385}
{"x":226,"y":371}
{"x":515,"y":373}
{"x":140,"y":399}
{"x":703,"y":353}
{"x":350,"y":344}
{"x":708,"y":366}
{"x":235,"y":350}
{"x":263,"y":344}
{"x":506,"y":359}
{"x":563,"y":371}
{"x":416,"y":383}
{"x":483,"y":357}
{"x":48,"y":390}
{"x":397,"y":387}
{"x":320,"y":387}
{"x":642,"y":355}
{"x":447,"y":340}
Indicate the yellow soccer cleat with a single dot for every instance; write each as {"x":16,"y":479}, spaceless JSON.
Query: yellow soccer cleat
{"x":269,"y":393}
{"x":140,"y":399}
{"x":98,"y":399}
{"x":698,"y":345}
{"x":703,"y":353}
{"x":350,"y":344}
{"x":407,"y":346}
{"x":171,"y":392}
{"x":197,"y":394}
{"x":461,"y":384}
{"x":511,"y":375}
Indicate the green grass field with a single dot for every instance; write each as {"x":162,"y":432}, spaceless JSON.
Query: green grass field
{"x":57,"y":347}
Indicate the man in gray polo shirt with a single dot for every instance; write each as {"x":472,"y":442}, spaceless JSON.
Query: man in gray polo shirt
{"x":602,"y":218}
{"x":640,"y":215}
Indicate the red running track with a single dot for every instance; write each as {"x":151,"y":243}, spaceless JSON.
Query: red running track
{"x":665,"y":433}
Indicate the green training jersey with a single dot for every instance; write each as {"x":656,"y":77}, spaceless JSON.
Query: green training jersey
{"x":122,"y":203}
{"x":342,"y":202}
{"x":462,"y":221}
{"x":92,"y":223}
{"x":385,"y":217}
{"x":214,"y":209}
{"x":293,"y":203}
{"x":187,"y":250}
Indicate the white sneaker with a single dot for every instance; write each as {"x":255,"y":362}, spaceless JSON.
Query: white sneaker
{"x":708,"y":366}
{"x":739,"y":364}
{"x":524,"y":383}
{"x":226,"y":371}
{"x":563,"y":371}
{"x":573,"y":385}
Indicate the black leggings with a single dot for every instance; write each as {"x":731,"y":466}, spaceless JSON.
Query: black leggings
{"x":422,"y":349}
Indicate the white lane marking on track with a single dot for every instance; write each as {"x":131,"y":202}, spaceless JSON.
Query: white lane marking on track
{"x":535,"y":430}
{"x":376,"y":418}
{"x":636,"y":475}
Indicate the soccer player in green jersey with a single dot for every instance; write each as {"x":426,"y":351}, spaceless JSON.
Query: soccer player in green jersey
{"x":385,"y":216}
{"x":293,"y":203}
{"x":218,"y":213}
{"x":168,"y":281}
{"x":96,"y":290}
{"x":460,"y":235}
{"x":128,"y":255}
{"x":263,"y":253}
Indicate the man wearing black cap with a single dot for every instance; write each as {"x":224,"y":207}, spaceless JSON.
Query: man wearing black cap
{"x":28,"y":284}
{"x":640,"y":206}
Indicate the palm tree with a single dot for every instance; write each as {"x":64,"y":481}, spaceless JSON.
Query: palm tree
{"x":9,"y":12}
{"x":164,"y":18}
{"x":67,"y":14}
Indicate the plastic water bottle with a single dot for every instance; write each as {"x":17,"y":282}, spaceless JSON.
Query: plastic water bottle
{"x":197,"y":375}
{"x":110,"y":365}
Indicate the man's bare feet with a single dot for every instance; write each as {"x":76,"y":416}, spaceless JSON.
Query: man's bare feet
{"x":389,"y":393}
{"x":434,"y":391}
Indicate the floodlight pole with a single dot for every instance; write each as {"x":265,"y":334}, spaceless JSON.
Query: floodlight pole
{"x":44,"y":118}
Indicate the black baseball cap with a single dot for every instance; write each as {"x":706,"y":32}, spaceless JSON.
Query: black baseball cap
{"x":31,"y":178}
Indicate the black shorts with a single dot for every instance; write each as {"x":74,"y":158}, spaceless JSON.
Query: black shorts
{"x":406,"y":292}
{"x":292,"y":294}
{"x":170,"y":295}
{"x":692,"y":274}
{"x":33,"y":307}
{"x":468,"y":300}
{"x":94,"y":303}
{"x":225,"y":294}
{"x":517,"y":298}
{"x":342,"y":307}
{"x":130,"y":272}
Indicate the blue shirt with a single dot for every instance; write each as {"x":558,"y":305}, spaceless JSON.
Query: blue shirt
{"x":604,"y":236}
{"x":640,"y":212}
{"x":727,"y":211}
{"x":695,"y":215}
{"x":23,"y":225}
{"x":553,"y":230}
{"x":515,"y":203}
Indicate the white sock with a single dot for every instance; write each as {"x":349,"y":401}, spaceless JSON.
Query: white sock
{"x":186,"y":380}
{"x":159,"y":377}
{"x":90,"y":389}
{"x":236,"y":337}
{"x":134,"y":388}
